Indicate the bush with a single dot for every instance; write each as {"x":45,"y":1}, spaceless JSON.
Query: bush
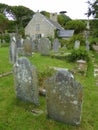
{"x":5,"y":37}
{"x":63,"y":42}
{"x":78,"y":54}
{"x":43,"y":75}
{"x":72,"y":40}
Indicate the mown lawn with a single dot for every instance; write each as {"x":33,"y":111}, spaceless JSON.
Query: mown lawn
{"x":17,"y":115}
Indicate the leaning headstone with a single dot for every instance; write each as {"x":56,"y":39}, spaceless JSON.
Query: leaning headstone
{"x":13,"y":52}
{"x":27,"y":45}
{"x":77,"y":44}
{"x":26,"y":81}
{"x":64,"y":98}
{"x":44,"y":46}
{"x":56,"y":45}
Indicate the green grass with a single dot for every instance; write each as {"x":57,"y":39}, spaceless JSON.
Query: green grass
{"x":17,"y":115}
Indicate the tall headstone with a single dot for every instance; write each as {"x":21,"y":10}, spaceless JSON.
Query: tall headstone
{"x":44,"y":46}
{"x":13,"y":52}
{"x":64,"y":98}
{"x":26,"y":81}
{"x":56,"y":45}
{"x":35,"y":45}
{"x":27,"y":45}
{"x":20,"y":49}
{"x":77,"y":44}
{"x":87,"y":45}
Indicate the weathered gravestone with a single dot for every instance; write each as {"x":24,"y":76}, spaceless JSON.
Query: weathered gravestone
{"x":77,"y":44}
{"x":35,"y":45}
{"x":44,"y":46}
{"x":26,"y":82}
{"x":87,"y":45}
{"x":13,"y":52}
{"x":27,"y":45}
{"x":64,"y":98}
{"x":56,"y":45}
{"x":20,"y":49}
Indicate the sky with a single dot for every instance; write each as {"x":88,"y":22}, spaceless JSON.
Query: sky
{"x":76,"y":9}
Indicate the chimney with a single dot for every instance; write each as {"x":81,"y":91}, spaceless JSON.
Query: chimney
{"x":53,"y":16}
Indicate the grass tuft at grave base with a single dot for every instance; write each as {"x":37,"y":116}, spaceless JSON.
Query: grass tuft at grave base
{"x":17,"y":115}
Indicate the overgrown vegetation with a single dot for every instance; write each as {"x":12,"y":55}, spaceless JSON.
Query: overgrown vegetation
{"x":17,"y":115}
{"x":78,"y":54}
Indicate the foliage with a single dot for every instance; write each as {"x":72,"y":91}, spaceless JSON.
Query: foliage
{"x":4,"y":9}
{"x":63,"y":42}
{"x":78,"y":54}
{"x":5,"y":37}
{"x":47,"y":14}
{"x":20,"y":14}
{"x":44,"y":74}
{"x":3,"y":23}
{"x":11,"y":26}
{"x":63,"y":19}
{"x":72,"y":40}
{"x":93,"y":8}
{"x":77,"y":25}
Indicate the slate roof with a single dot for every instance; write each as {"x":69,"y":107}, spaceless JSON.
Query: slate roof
{"x":66,"y":33}
{"x":57,"y":25}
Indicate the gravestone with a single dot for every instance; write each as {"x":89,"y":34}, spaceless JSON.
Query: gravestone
{"x":26,"y":82}
{"x":87,"y":45}
{"x":77,"y":44}
{"x":44,"y":46}
{"x":13,"y":52}
{"x":20,"y":48}
{"x":27,"y":45}
{"x":64,"y":98}
{"x":3,"y":41}
{"x":18,"y":43}
{"x":56,"y":45}
{"x":35,"y":45}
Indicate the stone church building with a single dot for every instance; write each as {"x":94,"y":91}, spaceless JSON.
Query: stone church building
{"x":41,"y":26}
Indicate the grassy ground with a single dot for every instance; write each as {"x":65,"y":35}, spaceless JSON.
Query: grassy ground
{"x":17,"y":115}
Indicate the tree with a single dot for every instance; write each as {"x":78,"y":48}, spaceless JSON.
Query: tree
{"x":3,"y":23}
{"x":21,"y":15}
{"x":5,"y":9}
{"x":47,"y":14}
{"x":63,"y":19}
{"x":77,"y":25}
{"x":93,"y":9}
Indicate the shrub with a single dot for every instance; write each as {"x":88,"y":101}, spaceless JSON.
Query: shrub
{"x":72,"y":40}
{"x":78,"y":54}
{"x":5,"y":37}
{"x":63,"y":42}
{"x":43,"y":75}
